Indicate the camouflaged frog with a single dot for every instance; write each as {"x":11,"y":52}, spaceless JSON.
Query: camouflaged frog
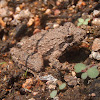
{"x":47,"y":45}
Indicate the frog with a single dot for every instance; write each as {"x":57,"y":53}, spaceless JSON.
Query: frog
{"x":46,"y":46}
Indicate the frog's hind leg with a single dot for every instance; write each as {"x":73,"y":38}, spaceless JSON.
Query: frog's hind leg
{"x":54,"y":59}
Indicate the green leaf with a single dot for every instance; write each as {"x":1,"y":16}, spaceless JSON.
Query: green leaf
{"x":93,"y":72}
{"x":25,"y":74}
{"x":84,"y":75}
{"x":53,"y":93}
{"x":88,"y":19}
{"x":79,"y":67}
{"x":62,"y":86}
{"x":85,"y":23}
{"x":95,"y":66}
{"x":81,"y":20}
{"x":79,"y":24}
{"x":2,"y":63}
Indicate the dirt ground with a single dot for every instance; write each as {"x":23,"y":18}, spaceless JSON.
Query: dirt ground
{"x":13,"y":79}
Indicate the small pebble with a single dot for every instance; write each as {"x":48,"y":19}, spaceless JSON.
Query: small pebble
{"x":2,"y":23}
{"x":95,"y":55}
{"x":48,"y":11}
{"x":31,"y":99}
{"x":47,"y":27}
{"x":10,"y":62}
{"x":30,"y":22}
{"x":17,"y":16}
{"x":22,"y":5}
{"x":96,"y":44}
{"x":73,"y":73}
{"x":10,"y":19}
{"x":23,"y":14}
{"x":3,"y":3}
{"x":90,"y":6}
{"x":85,"y":44}
{"x":45,"y":1}
{"x":4,"y":38}
{"x":71,"y":8}
{"x":56,"y":98}
{"x":18,"y":9}
{"x":81,"y":3}
{"x":5,"y":78}
{"x":35,"y":93}
{"x":13,"y":42}
{"x":51,"y":86}
{"x":4,"y":12}
{"x":55,"y":25}
{"x":96,"y":21}
{"x":93,"y":94}
{"x":37,"y":18}
{"x":57,"y":12}
{"x":96,"y":13}
{"x":15,"y":22}
{"x":70,"y":80}
{"x":36,"y":21}
{"x":28,"y":83}
{"x":58,"y":3}
{"x":10,"y":13}
{"x":6,"y":19}
{"x":49,"y":78}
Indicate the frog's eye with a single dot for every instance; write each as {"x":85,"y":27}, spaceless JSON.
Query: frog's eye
{"x":69,"y":38}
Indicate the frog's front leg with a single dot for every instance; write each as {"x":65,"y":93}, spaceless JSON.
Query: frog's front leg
{"x":54,"y":59}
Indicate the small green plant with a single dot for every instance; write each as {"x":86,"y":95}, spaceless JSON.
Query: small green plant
{"x":81,"y":21}
{"x":25,"y":74}
{"x":90,"y":71}
{"x":62,"y":86}
{"x":54,"y":92}
{"x":2,"y":63}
